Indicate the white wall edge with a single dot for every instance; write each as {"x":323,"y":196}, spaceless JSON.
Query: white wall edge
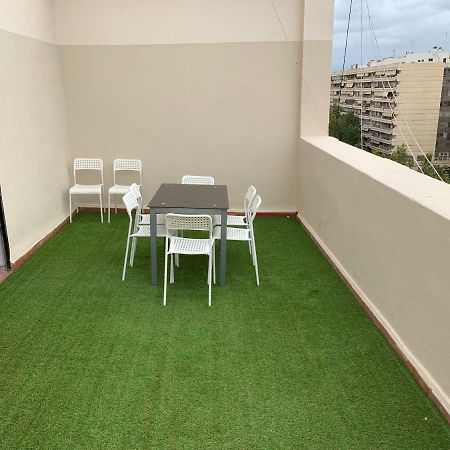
{"x":418,"y":366}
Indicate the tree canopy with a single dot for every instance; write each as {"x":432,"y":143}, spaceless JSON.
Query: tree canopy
{"x":345,"y":127}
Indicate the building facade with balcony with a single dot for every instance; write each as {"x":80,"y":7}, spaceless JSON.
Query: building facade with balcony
{"x":399,"y":102}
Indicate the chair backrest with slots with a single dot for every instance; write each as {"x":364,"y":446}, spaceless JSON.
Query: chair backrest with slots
{"x":127,"y":165}
{"x":254,"y":209}
{"x":201,"y":222}
{"x":87,"y":164}
{"x":131,"y":202}
{"x":136,"y":191}
{"x":248,"y":199}
{"x":197,"y":179}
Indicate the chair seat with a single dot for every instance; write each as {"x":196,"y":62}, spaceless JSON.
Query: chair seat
{"x":145,"y":232}
{"x":86,"y":189}
{"x":188,"y":246}
{"x":233,"y":234}
{"x":118,"y":189}
{"x":145,"y":219}
{"x":232,"y":220}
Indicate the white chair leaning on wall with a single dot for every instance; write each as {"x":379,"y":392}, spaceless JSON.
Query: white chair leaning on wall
{"x":144,"y":219}
{"x":135,"y":231}
{"x":188,"y":246}
{"x":245,"y":234}
{"x":239,"y":221}
{"x":197,"y":179}
{"x":122,"y":165}
{"x":87,"y":189}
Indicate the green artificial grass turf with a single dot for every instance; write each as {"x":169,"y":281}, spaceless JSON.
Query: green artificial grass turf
{"x":89,"y":361}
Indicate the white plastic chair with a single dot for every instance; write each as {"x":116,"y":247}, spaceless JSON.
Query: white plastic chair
{"x":86,"y":189}
{"x":239,"y":221}
{"x":122,"y":165}
{"x":197,"y":179}
{"x":245,"y":234}
{"x":131,"y":203}
{"x":144,"y":219}
{"x":188,"y":246}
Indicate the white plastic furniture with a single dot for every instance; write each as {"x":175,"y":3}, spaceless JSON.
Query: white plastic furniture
{"x":176,"y":245}
{"x":245,"y":234}
{"x":122,"y":165}
{"x":144,"y":219}
{"x":135,"y":232}
{"x":197,"y":179}
{"x":86,"y":189}
{"x":239,"y":221}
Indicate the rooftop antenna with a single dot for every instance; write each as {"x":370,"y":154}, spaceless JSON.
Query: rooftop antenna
{"x":393,"y":53}
{"x":412,"y":46}
{"x":445,"y":40}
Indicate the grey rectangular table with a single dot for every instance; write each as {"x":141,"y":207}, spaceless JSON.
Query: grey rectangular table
{"x":190,"y":199}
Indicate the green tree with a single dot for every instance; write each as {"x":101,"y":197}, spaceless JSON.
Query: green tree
{"x":400,"y":155}
{"x":427,"y":169}
{"x":345,"y":127}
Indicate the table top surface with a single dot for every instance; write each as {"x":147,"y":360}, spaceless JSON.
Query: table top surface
{"x":190,"y":196}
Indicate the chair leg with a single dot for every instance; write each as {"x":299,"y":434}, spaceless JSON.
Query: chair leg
{"x":165,"y":274}
{"x":126,"y":258}
{"x":109,"y":207}
{"x":209,"y":277}
{"x":255,"y":260}
{"x":172,"y":270}
{"x":133,"y":251}
{"x":214,"y":262}
{"x":115,"y":203}
{"x":177,"y":259}
{"x":70,"y":208}
{"x":101,"y":207}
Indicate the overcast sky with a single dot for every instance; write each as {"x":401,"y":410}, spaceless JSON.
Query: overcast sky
{"x":399,"y":25}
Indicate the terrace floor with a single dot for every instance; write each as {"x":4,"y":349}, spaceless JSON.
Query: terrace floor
{"x":89,"y":361}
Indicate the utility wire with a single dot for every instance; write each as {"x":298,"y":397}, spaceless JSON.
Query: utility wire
{"x":345,"y":52}
{"x":395,"y":100}
{"x":279,"y":20}
{"x":361,"y":91}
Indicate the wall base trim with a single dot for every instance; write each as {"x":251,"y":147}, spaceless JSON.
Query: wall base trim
{"x":18,"y":262}
{"x":121,"y":210}
{"x":420,"y":373}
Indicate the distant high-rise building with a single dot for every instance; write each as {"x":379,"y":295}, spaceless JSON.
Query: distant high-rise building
{"x":401,"y":99}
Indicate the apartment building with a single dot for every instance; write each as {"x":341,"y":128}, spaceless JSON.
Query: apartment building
{"x":401,"y":100}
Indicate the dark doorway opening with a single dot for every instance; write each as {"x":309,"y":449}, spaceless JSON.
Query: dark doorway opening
{"x":5,"y":262}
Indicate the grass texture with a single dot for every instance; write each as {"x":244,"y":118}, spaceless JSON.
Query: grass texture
{"x":89,"y":361}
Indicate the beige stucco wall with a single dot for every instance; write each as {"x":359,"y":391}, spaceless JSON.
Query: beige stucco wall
{"x":226,"y":110}
{"x":31,"y":18}
{"x":33,"y":139}
{"x":215,"y":94}
{"x":388,"y":230}
{"x":210,"y":87}
{"x":314,"y":71}
{"x":219,"y":97}
{"x":143,"y":22}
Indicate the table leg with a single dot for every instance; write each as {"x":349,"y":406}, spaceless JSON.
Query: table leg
{"x":154,"y":247}
{"x":223,"y":247}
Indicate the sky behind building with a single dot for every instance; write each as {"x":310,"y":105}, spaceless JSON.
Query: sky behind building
{"x":400,"y":26}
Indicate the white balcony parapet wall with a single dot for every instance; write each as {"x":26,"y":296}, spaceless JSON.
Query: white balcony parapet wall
{"x":387,"y":229}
